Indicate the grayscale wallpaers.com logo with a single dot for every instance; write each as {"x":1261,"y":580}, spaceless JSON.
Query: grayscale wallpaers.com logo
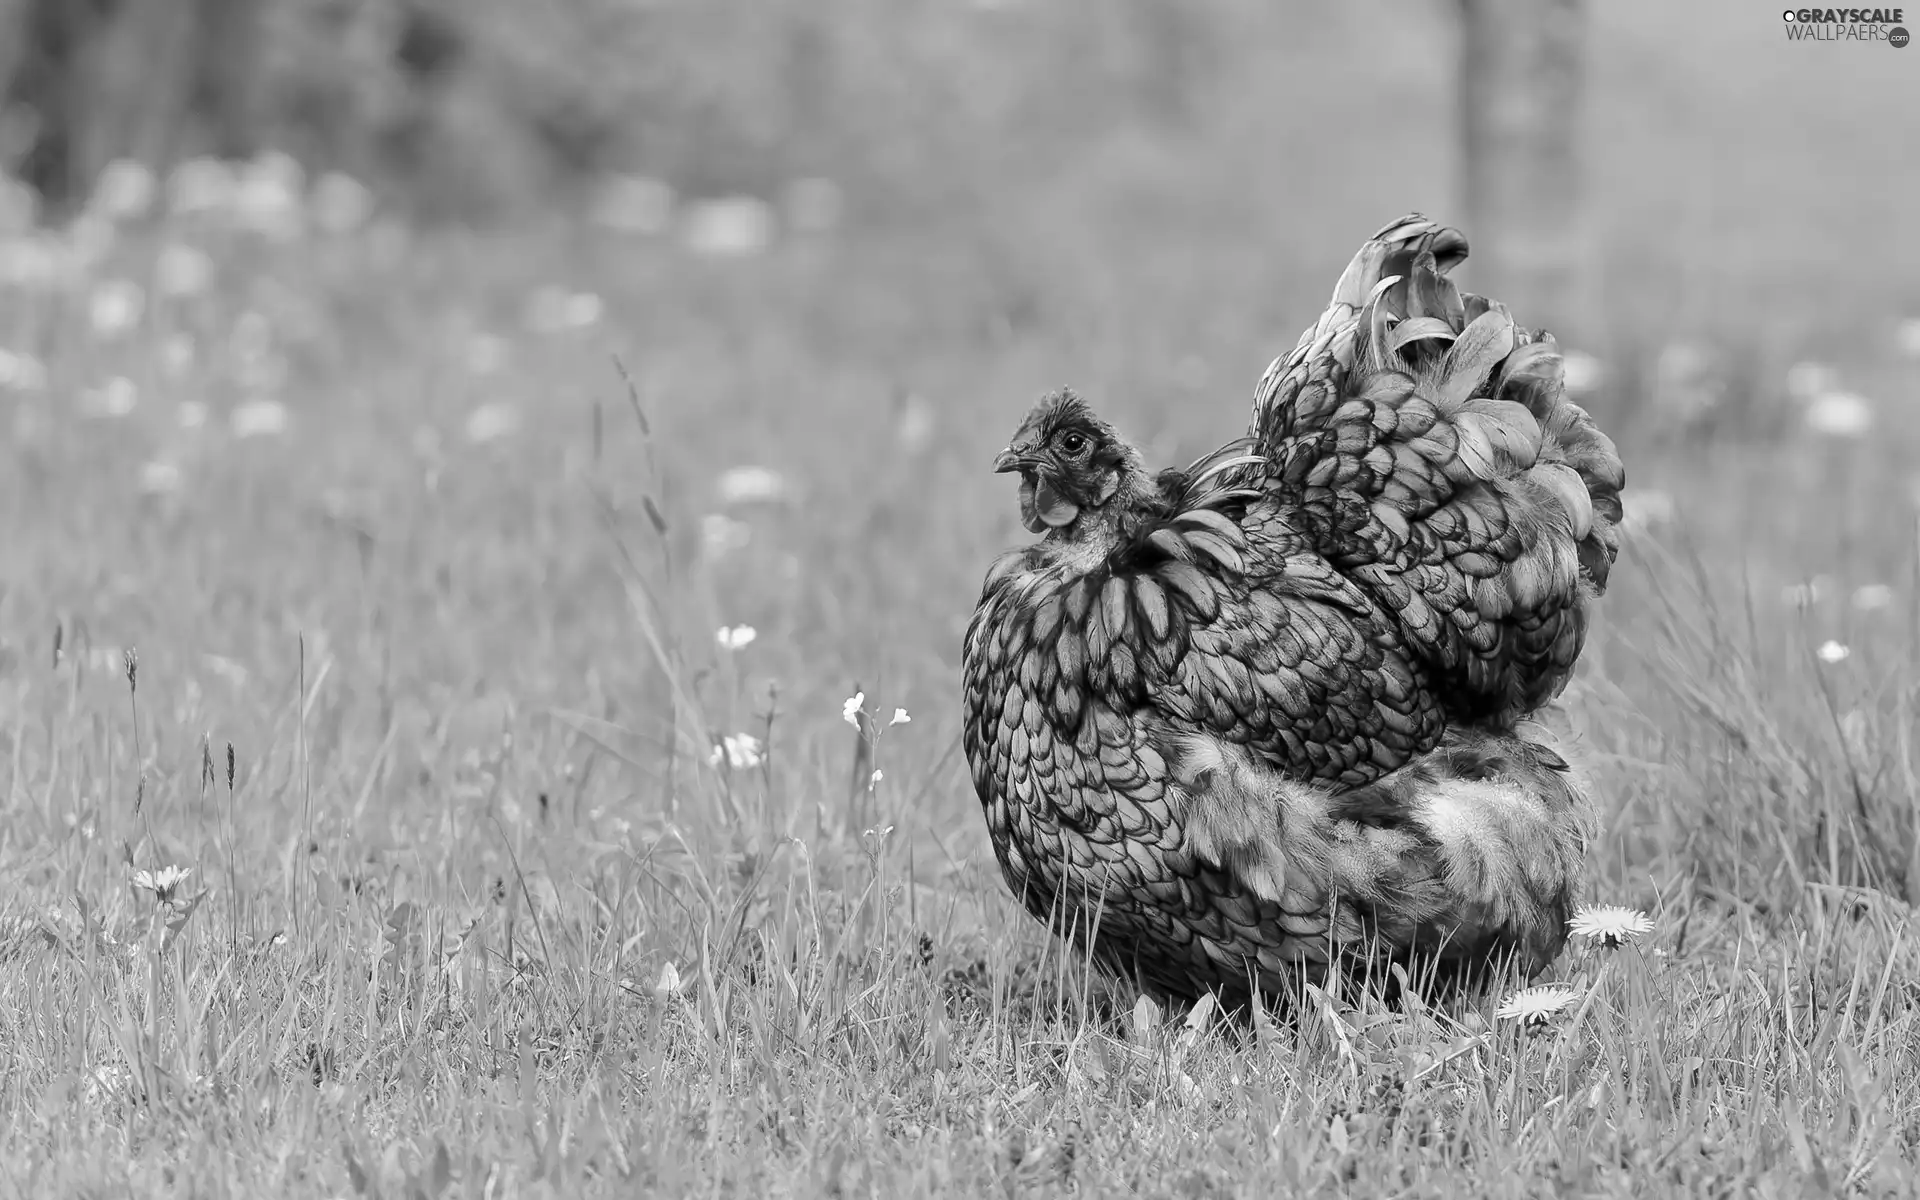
{"x":1847,"y":25}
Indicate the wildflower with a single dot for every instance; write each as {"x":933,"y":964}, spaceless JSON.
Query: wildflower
{"x":1840,"y":414}
{"x":1807,"y":381}
{"x":163,"y":883}
{"x":873,"y":781}
{"x":1873,"y":597}
{"x":1582,"y":372}
{"x":258,"y":418}
{"x":900,"y":717}
{"x":1533,"y":1007}
{"x":491,"y":422}
{"x":1833,"y":652}
{"x":114,"y":398}
{"x":176,"y":356}
{"x":721,"y":535}
{"x":181,"y":270}
{"x":267,"y":198}
{"x":850,"y":711}
{"x":124,"y":191}
{"x":1645,"y":508}
{"x":21,"y":371}
{"x":737,"y":226}
{"x":740,"y":751}
{"x":747,"y":485}
{"x":554,"y":309}
{"x":735,"y":637}
{"x":115,"y":307}
{"x":1611,"y":925}
{"x":159,"y":478}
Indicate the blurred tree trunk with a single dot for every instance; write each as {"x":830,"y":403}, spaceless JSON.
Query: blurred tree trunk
{"x":1521,"y":68}
{"x":104,"y":79}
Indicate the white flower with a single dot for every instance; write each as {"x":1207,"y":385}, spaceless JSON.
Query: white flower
{"x":491,"y":422}
{"x":176,"y":353}
{"x":259,"y":418}
{"x":22,"y":371}
{"x":873,"y":781}
{"x":115,"y":398}
{"x":124,"y":191}
{"x":1644,"y":509}
{"x":737,"y":226}
{"x":267,"y":199}
{"x":556,"y":309}
{"x":740,"y":751}
{"x":735,"y":637}
{"x":181,"y":270}
{"x":1873,"y":597}
{"x":163,"y":883}
{"x":1583,"y":372}
{"x":721,"y":535}
{"x":900,"y":717}
{"x":1611,"y":925}
{"x":747,"y":485}
{"x":850,"y":711}
{"x":115,"y":307}
{"x":1533,"y":1007}
{"x":159,"y":478}
{"x":1808,"y":380}
{"x":1832,"y":652}
{"x":1840,"y":414}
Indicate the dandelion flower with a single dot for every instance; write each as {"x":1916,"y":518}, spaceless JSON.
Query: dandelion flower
{"x":182,"y":270}
{"x":1533,"y":1007}
{"x":740,"y":751}
{"x":491,"y":422}
{"x":900,"y":717}
{"x":752,"y":485}
{"x":850,"y":711}
{"x":1611,"y":925}
{"x":1873,"y":597}
{"x":1583,"y":372}
{"x":259,"y":418}
{"x":163,"y":883}
{"x":721,"y":535}
{"x":124,"y":191}
{"x":1840,"y":414}
{"x":735,"y":637}
{"x":1831,"y":651}
{"x":115,"y":307}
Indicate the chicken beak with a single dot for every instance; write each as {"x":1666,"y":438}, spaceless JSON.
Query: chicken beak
{"x":1006,"y":461}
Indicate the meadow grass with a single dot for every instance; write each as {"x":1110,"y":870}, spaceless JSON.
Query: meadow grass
{"x":389,"y":610}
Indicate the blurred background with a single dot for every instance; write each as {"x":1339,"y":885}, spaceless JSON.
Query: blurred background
{"x":309,"y":312}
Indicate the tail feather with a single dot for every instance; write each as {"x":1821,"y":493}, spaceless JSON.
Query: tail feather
{"x":1427,"y":440}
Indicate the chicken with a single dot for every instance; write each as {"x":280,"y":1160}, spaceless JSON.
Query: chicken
{"x":1292,"y":707}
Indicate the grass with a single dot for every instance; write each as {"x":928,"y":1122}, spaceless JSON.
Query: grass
{"x":429,"y":717}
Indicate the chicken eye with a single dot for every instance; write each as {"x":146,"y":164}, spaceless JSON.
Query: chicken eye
{"x":1073,"y":445}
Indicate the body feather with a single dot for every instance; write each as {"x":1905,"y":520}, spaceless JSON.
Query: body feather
{"x":1286,"y":707}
